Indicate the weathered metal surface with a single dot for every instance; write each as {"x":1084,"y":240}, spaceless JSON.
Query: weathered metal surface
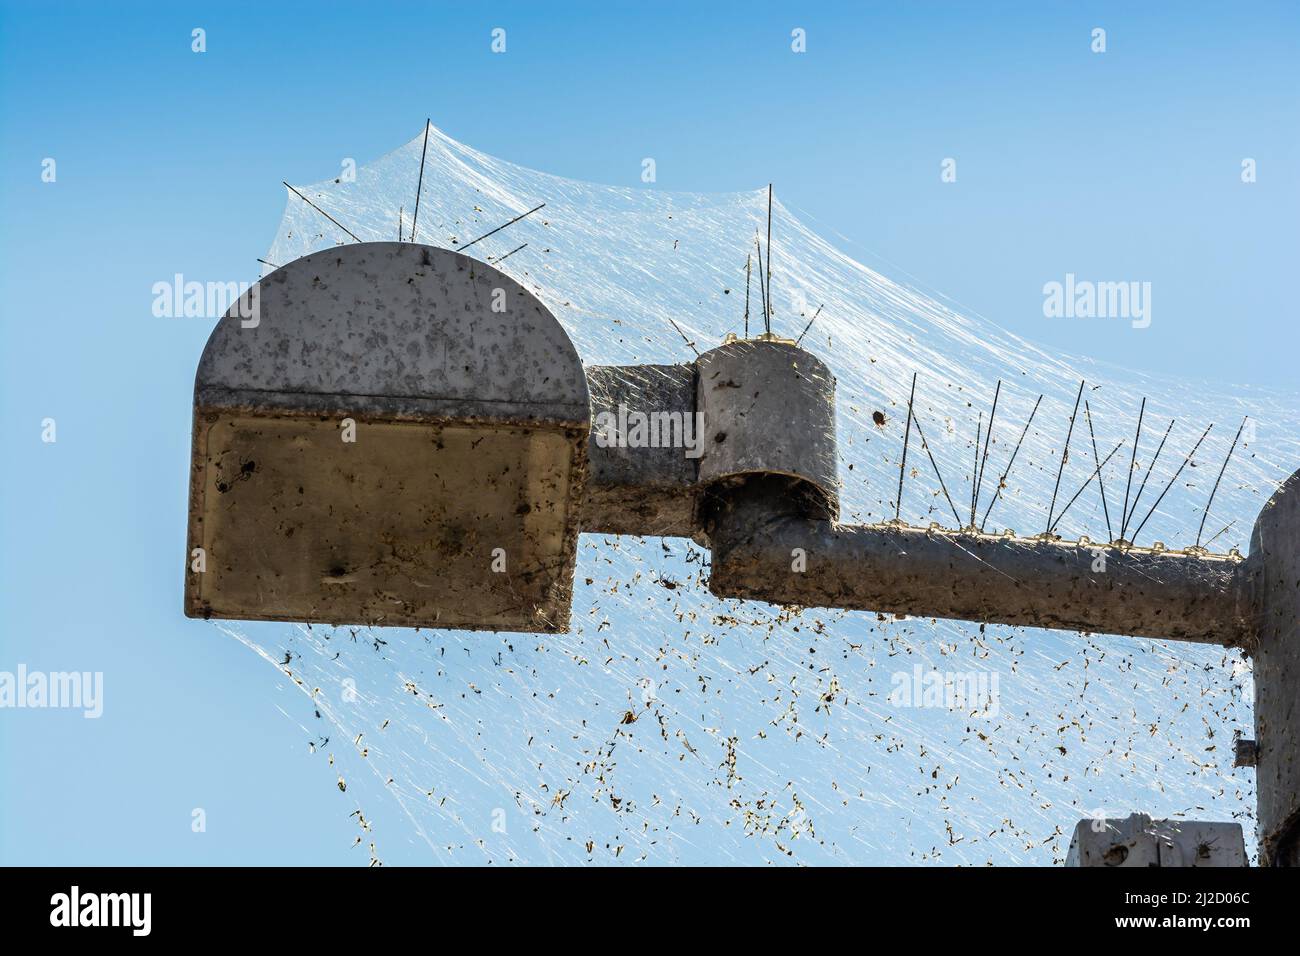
{"x":760,"y":544}
{"x":1245,"y":752}
{"x":398,"y":330}
{"x":769,"y":409}
{"x":1139,"y":841}
{"x":455,"y":502}
{"x":1274,"y":568}
{"x":399,"y":528}
{"x":641,"y":482}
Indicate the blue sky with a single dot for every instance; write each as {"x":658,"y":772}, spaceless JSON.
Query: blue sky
{"x":1122,"y":165}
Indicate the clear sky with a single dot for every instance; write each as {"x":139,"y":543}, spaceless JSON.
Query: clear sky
{"x":1123,"y":165}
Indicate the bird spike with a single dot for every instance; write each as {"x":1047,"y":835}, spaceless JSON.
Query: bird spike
{"x":997,"y":492}
{"x":1173,"y":479}
{"x":1137,"y":437}
{"x":988,"y":435}
{"x":1065,"y":456}
{"x":1214,"y":490}
{"x":935,"y":465}
{"x":902,"y":464}
{"x":1101,"y":481}
{"x":1142,"y":487}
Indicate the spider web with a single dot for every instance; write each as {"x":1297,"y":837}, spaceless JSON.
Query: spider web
{"x":671,"y":727}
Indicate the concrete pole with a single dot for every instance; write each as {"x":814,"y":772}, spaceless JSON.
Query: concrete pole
{"x":1274,"y":572}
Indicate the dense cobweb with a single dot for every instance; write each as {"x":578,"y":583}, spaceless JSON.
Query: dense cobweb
{"x":669,"y":726}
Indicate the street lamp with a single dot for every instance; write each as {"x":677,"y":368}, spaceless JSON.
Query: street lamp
{"x":402,"y":435}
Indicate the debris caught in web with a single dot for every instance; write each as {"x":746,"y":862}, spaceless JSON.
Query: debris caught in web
{"x":671,"y":727}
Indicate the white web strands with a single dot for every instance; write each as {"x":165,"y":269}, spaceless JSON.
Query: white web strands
{"x":668,"y":726}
